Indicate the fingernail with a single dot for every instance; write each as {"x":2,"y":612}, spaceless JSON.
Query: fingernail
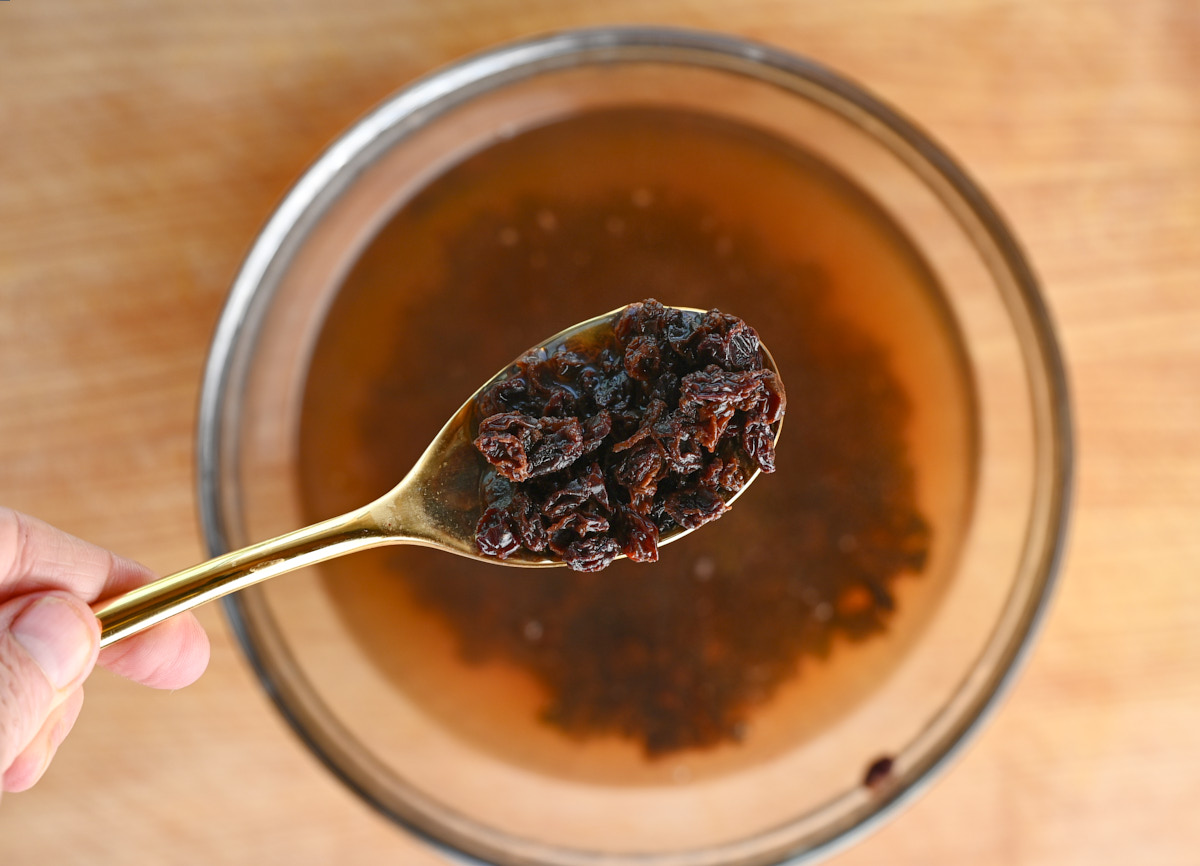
{"x":56,"y":638}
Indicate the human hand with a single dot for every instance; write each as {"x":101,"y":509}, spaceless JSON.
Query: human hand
{"x":49,"y":640}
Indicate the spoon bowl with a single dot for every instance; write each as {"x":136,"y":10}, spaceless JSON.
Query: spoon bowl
{"x":437,"y":504}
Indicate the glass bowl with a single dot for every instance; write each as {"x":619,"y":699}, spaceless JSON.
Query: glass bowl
{"x":943,"y":322}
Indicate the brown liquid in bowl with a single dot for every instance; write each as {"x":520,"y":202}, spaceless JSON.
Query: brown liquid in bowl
{"x":752,"y":633}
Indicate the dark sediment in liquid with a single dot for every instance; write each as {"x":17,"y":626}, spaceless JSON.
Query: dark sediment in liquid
{"x":567,"y":221}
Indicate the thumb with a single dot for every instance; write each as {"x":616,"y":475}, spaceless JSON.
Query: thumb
{"x":48,"y":645}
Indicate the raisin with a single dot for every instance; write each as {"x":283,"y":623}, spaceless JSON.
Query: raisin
{"x":714,"y":386}
{"x":576,"y":493}
{"x":639,"y":473}
{"x":494,"y":488}
{"x":640,"y":536}
{"x":591,"y":554}
{"x":493,"y":534}
{"x":683,"y":452}
{"x":511,"y":395}
{"x":681,"y":337}
{"x":760,"y":446}
{"x":530,"y":529}
{"x":711,"y":424}
{"x":879,"y":773}
{"x":504,"y":439}
{"x":596,"y":430}
{"x":643,"y":360}
{"x":522,"y":447}
{"x":695,"y":506}
{"x":581,"y":523}
{"x":612,"y":391}
{"x":722,"y":475}
{"x":728,"y":342}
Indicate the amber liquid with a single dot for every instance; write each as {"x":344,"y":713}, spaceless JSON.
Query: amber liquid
{"x":795,"y":605}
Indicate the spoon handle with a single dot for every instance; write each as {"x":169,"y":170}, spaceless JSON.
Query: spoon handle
{"x":134,"y":611}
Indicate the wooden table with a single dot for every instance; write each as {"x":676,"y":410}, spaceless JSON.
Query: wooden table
{"x":141,"y":147}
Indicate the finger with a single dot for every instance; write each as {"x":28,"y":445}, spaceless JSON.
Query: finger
{"x":171,"y":655}
{"x":35,"y":556}
{"x":48,"y":645}
{"x":32,"y":763}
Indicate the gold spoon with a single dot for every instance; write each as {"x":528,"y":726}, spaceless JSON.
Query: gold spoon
{"x":435,"y":505}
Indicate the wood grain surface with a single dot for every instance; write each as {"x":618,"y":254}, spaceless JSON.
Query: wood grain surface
{"x":143,"y":144}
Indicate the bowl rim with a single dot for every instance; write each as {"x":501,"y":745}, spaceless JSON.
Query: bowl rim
{"x":301,"y":207}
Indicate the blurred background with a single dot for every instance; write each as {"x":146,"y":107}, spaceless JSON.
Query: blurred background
{"x":142,"y":145}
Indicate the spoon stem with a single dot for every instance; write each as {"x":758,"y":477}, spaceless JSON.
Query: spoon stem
{"x":137,"y":610}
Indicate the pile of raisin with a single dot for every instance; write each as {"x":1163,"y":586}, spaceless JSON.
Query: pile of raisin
{"x":599,"y":448}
